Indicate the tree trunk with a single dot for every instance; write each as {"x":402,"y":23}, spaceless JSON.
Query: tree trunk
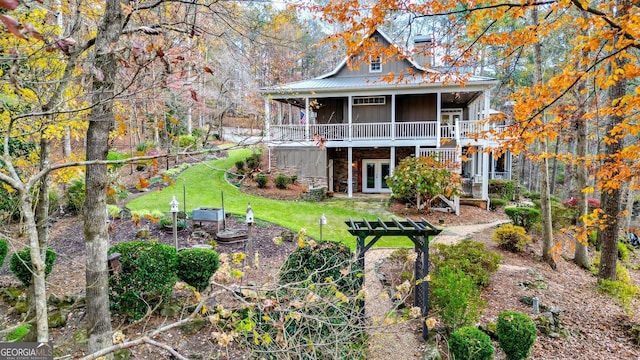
{"x":580,"y":255}
{"x":611,"y":197}
{"x":629,"y":208}
{"x":95,"y":207}
{"x":545,"y":198}
{"x":555,"y":166}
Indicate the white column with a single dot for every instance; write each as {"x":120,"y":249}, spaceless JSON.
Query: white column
{"x":417,"y":150}
{"x":279,"y":122}
{"x":487,"y":105}
{"x":485,"y":175}
{"x":438,"y":117}
{"x":267,"y":114}
{"x":392,"y":160}
{"x":307,"y":118}
{"x":350,"y":171}
{"x":350,"y":117}
{"x":393,"y":116}
{"x":290,"y":114}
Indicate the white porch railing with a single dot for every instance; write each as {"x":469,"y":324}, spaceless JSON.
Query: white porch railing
{"x":377,"y":131}
{"x":446,"y":156}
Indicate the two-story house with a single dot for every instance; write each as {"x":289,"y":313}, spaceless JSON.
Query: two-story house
{"x":349,"y":128}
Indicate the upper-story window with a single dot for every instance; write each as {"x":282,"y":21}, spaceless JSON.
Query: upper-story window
{"x":375,"y":65}
{"x":369,"y":100}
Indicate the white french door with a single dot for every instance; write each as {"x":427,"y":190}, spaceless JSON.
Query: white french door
{"x":374,"y":174}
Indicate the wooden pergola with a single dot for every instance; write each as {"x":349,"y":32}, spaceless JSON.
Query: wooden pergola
{"x":419,"y":232}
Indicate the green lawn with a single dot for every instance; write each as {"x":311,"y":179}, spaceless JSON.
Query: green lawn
{"x":204,"y":184}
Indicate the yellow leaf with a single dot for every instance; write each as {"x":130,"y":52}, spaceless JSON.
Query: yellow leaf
{"x":588,"y":190}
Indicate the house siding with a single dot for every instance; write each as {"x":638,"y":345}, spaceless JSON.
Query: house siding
{"x":309,"y":163}
{"x":416,"y":107}
{"x":332,"y":111}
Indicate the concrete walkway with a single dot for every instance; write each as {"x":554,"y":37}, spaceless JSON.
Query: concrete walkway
{"x":452,"y":234}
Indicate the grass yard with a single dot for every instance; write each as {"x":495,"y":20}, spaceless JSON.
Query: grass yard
{"x":204,"y":185}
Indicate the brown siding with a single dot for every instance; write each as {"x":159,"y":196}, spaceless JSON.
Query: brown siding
{"x":372,"y":113}
{"x":331,"y":111}
{"x":416,"y":107}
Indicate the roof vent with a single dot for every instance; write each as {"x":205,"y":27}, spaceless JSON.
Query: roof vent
{"x":423,"y":50}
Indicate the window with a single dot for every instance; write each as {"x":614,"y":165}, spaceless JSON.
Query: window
{"x":369,"y":100}
{"x":376,"y":65}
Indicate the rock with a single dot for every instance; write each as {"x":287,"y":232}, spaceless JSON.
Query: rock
{"x":57,"y":319}
{"x":53,"y":300}
{"x":193,"y":327}
{"x":143,"y":233}
{"x":21,"y":306}
{"x":11,"y":295}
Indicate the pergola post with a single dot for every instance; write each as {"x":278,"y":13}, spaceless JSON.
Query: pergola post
{"x":425,"y":285}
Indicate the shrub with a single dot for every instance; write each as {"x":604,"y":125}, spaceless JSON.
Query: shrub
{"x":516,"y":334}
{"x":294,"y":178}
{"x":326,"y":262}
{"x":470,"y":343}
{"x":623,"y":251}
{"x":114,"y":155}
{"x":623,"y":292}
{"x":497,"y":203}
{"x":75,"y":196}
{"x":455,"y":297}
{"x":562,"y":216}
{"x":511,"y":237}
{"x":471,"y":257}
{"x":146,"y":277}
{"x":240,"y":165}
{"x":282,"y":181}
{"x":195,"y":266}
{"x":523,"y":216}
{"x":4,"y":248}
{"x":505,"y":189}
{"x":167,"y":223}
{"x":186,"y":141}
{"x":261,"y":180}
{"x":19,"y":333}
{"x":253,"y":161}
{"x":22,"y":268}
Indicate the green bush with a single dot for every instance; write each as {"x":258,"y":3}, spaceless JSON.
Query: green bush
{"x":75,"y":196}
{"x":470,"y":343}
{"x":505,"y":189}
{"x":623,"y":291}
{"x":195,"y":266}
{"x":282,"y":181}
{"x":455,"y":298}
{"x":18,"y":334}
{"x":114,"y":155}
{"x":167,"y":223}
{"x":516,"y":334}
{"x":4,"y":249}
{"x":497,"y":203}
{"x":261,"y":180}
{"x":186,"y":141}
{"x":325,"y":263}
{"x":240,"y":166}
{"x":623,"y":251}
{"x":254,"y":160}
{"x":471,"y":257}
{"x":21,"y":267}
{"x":511,"y":237}
{"x":147,"y":275}
{"x":523,"y":216}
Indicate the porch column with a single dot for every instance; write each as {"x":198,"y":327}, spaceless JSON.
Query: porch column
{"x":485,"y":175}
{"x":392,"y":160}
{"x":350,"y":118}
{"x":486,"y":93}
{"x":307,"y":118}
{"x":438,"y":117}
{"x":350,"y":172}
{"x":279,"y":122}
{"x":290,"y":114}
{"x":267,"y":114}
{"x":417,"y":151}
{"x":393,"y":117}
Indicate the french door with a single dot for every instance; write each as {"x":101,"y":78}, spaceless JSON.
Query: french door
{"x":374,"y":174}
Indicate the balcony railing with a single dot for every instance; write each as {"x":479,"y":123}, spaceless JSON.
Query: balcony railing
{"x":415,"y":130}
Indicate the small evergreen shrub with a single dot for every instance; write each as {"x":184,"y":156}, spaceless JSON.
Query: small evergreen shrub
{"x":326,"y":262}
{"x":240,"y":166}
{"x":623,"y":251}
{"x":511,"y":237}
{"x":167,"y":223}
{"x":75,"y":196}
{"x":470,"y":343}
{"x":282,"y":181}
{"x":253,"y":161}
{"x":455,"y":298}
{"x":20,"y":264}
{"x":186,"y":141}
{"x":4,"y":249}
{"x":523,"y":216}
{"x":261,"y":180}
{"x":471,"y":257}
{"x":147,"y":275}
{"x":516,"y":334}
{"x":505,"y":189}
{"x":195,"y":266}
{"x":497,"y":203}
